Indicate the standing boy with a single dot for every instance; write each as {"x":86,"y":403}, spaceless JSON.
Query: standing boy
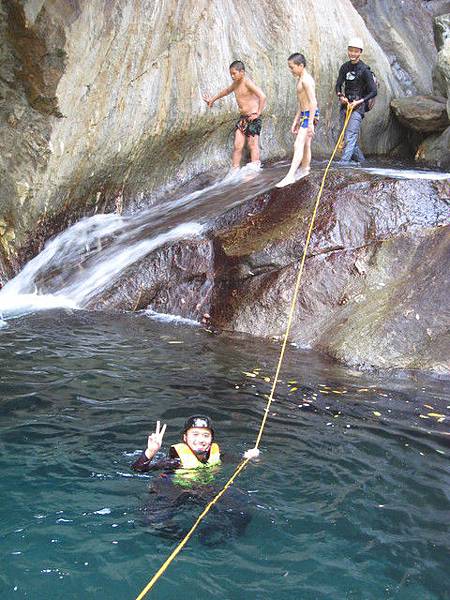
{"x":251,"y":102}
{"x":359,"y":88}
{"x":303,"y":124}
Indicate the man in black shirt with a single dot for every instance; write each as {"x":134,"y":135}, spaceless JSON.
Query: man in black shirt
{"x":359,"y":88}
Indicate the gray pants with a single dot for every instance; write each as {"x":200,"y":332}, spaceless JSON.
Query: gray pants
{"x":351,"y":148}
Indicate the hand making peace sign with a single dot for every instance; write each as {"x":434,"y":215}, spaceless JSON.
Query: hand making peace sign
{"x":154,"y":441}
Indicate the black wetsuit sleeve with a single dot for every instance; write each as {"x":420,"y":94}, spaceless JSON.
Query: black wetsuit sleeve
{"x":341,"y":78}
{"x":369,"y":84}
{"x":144,"y":465}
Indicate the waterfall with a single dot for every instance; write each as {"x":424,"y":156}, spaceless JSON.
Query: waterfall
{"x":88,"y":258}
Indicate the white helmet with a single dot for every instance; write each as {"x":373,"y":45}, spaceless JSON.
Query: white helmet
{"x":356,"y":42}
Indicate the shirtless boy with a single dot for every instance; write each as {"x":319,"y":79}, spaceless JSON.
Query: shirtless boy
{"x":251,"y":102}
{"x":303,"y":124}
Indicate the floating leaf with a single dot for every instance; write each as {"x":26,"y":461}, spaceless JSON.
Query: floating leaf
{"x":339,"y":392}
{"x":175,"y":342}
{"x":428,"y":406}
{"x":423,"y":417}
{"x":248,"y":374}
{"x":376,"y":413}
{"x":267,"y":379}
{"x":436,"y":415}
{"x":294,"y":389}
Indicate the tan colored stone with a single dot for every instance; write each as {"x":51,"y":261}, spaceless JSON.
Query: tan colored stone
{"x":435,"y":150}
{"x":441,"y":27}
{"x":425,"y":114}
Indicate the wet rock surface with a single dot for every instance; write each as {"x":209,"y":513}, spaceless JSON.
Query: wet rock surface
{"x":374,"y":287}
{"x":103,"y":101}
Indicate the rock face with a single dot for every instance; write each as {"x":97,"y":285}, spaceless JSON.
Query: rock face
{"x":397,"y":32}
{"x":425,"y":114}
{"x":441,"y":28}
{"x":101,"y":102}
{"x":441,"y":73}
{"x":435,"y":149}
{"x":375,"y":272}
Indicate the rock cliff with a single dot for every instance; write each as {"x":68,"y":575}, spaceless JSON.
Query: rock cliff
{"x":100,"y":102}
{"x":374,"y":291}
{"x":101,"y":110}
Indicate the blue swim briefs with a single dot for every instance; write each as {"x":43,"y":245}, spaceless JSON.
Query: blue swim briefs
{"x":304,"y":118}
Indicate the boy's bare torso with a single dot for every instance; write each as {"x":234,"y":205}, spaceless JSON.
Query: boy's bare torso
{"x":247,"y":100}
{"x":305,"y":86}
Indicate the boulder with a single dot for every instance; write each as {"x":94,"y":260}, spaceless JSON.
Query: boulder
{"x":425,"y":114}
{"x":397,"y":32}
{"x":441,"y":28}
{"x":435,"y":150}
{"x":375,"y":281}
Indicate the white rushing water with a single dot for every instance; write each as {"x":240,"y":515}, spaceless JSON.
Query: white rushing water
{"x":406,"y":173}
{"x":90,"y":256}
{"x":75,"y":266}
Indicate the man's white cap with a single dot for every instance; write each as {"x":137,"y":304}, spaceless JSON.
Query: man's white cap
{"x":355,"y":43}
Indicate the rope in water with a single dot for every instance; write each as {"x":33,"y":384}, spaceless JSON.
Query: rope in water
{"x":244,"y":461}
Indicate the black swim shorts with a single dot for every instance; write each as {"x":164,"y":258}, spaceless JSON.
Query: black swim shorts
{"x":249,"y":128}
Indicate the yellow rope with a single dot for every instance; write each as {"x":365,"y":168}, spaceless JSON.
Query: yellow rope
{"x":244,"y":461}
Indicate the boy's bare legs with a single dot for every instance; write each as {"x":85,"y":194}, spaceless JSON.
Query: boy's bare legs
{"x":305,"y":166}
{"x":239,"y":142}
{"x":299,"y":147}
{"x":253,"y":146}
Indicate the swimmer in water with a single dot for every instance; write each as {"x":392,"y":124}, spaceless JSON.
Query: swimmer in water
{"x":196,"y":450}
{"x":187,"y":478}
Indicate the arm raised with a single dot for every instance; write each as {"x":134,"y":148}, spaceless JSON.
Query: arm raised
{"x":211,"y":99}
{"x":154,"y":441}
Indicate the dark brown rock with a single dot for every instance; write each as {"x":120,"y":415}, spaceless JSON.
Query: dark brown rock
{"x":374,"y":285}
{"x":425,"y":114}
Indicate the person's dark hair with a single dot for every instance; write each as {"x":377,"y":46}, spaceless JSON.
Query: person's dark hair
{"x":298,"y":59}
{"x":238,"y":65}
